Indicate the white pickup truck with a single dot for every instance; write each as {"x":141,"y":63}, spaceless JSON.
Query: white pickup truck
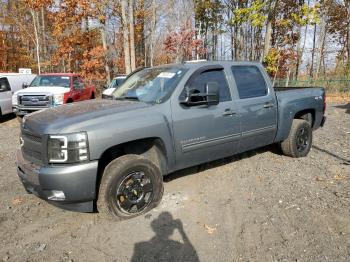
{"x":9,"y":84}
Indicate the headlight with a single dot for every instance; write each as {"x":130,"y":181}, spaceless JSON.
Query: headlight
{"x":14,"y":100}
{"x":68,"y":148}
{"x":58,"y":99}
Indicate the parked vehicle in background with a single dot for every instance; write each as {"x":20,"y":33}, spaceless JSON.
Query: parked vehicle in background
{"x":51,"y":90}
{"x":116,"y":82}
{"x":162,"y":119}
{"x":9,"y":84}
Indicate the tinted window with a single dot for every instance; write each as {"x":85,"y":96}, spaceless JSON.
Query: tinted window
{"x":78,"y":83}
{"x":249,"y":80}
{"x":75,"y":82}
{"x":199,"y":83}
{"x":51,"y":80}
{"x":4,"y":85}
{"x":119,"y":81}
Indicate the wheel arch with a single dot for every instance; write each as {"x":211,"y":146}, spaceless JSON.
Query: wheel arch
{"x":307,"y":114}
{"x":92,"y":95}
{"x":152,"y":148}
{"x":69,"y":100}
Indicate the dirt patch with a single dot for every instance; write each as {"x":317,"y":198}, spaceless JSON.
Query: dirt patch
{"x":257,"y":206}
{"x":338,"y":97}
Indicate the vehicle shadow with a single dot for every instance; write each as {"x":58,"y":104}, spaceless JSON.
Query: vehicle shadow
{"x":161,"y":247}
{"x":274,"y":148}
{"x":345,"y":106}
{"x":347,"y":161}
{"x":7,"y":117}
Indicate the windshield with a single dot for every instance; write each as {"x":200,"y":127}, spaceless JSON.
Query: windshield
{"x":151,"y":85}
{"x":51,"y":80}
{"x":116,"y":82}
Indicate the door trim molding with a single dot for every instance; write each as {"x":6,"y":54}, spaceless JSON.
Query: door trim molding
{"x":225,"y":139}
{"x":259,"y":131}
{"x":210,"y":142}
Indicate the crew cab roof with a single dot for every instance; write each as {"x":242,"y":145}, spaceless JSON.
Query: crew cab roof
{"x":59,"y":74}
{"x":196,"y":64}
{"x":200,"y":63}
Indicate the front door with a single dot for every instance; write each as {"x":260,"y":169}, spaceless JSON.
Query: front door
{"x":5,"y":96}
{"x":257,"y":107}
{"x":205,"y":133}
{"x":77,"y":90}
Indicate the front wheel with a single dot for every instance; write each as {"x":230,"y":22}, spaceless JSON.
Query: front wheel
{"x":299,"y":141}
{"x":131,"y":185}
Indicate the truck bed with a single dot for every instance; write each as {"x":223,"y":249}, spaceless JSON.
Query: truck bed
{"x":294,"y":99}
{"x":283,"y":88}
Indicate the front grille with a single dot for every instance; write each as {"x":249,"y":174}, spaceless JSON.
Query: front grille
{"x":35,"y":101}
{"x":32,"y":147}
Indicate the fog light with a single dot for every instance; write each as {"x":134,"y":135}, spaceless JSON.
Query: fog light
{"x":57,"y":195}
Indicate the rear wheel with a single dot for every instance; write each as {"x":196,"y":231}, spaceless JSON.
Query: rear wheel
{"x":131,"y":185}
{"x":299,"y":141}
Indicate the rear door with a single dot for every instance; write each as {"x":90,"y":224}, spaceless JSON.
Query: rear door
{"x":205,"y":133}
{"x":5,"y":96}
{"x":257,"y":107}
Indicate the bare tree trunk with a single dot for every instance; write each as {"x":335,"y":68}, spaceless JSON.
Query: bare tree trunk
{"x":153,"y":28}
{"x":126,"y":38}
{"x":347,"y":5}
{"x":105,"y":49}
{"x":322,"y":40}
{"x":268,"y":33}
{"x":36,"y":35}
{"x":299,"y":54}
{"x":267,"y":42}
{"x":132,"y":35}
{"x":302,"y":50}
{"x":43,"y":32}
{"x":313,"y":52}
{"x":236,"y":43}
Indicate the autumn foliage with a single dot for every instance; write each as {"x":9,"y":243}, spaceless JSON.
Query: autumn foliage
{"x":102,"y":38}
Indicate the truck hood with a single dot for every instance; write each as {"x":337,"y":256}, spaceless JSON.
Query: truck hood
{"x":53,"y":120}
{"x":109,"y":91}
{"x":54,"y":90}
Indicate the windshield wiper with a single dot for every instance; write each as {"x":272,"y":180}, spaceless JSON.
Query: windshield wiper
{"x":135,"y":98}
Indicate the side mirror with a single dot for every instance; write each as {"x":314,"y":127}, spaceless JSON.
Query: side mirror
{"x":210,"y":97}
{"x":212,"y":93}
{"x":25,"y":85}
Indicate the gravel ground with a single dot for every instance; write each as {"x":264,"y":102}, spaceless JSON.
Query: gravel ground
{"x":257,"y":206}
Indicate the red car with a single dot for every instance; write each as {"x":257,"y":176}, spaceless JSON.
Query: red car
{"x":50,"y":90}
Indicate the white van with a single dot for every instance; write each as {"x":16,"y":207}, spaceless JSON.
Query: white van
{"x":10,"y":83}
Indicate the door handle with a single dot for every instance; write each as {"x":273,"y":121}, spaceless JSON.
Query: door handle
{"x":228,"y":112}
{"x":268,"y":105}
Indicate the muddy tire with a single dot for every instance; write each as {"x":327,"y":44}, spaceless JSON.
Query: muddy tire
{"x":131,"y":185}
{"x":299,"y":141}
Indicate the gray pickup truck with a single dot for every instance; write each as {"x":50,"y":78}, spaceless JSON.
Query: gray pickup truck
{"x":113,"y":154}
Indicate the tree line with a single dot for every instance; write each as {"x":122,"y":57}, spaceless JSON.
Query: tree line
{"x":102,"y":38}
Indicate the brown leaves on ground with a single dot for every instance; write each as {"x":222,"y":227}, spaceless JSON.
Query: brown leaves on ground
{"x":17,"y":201}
